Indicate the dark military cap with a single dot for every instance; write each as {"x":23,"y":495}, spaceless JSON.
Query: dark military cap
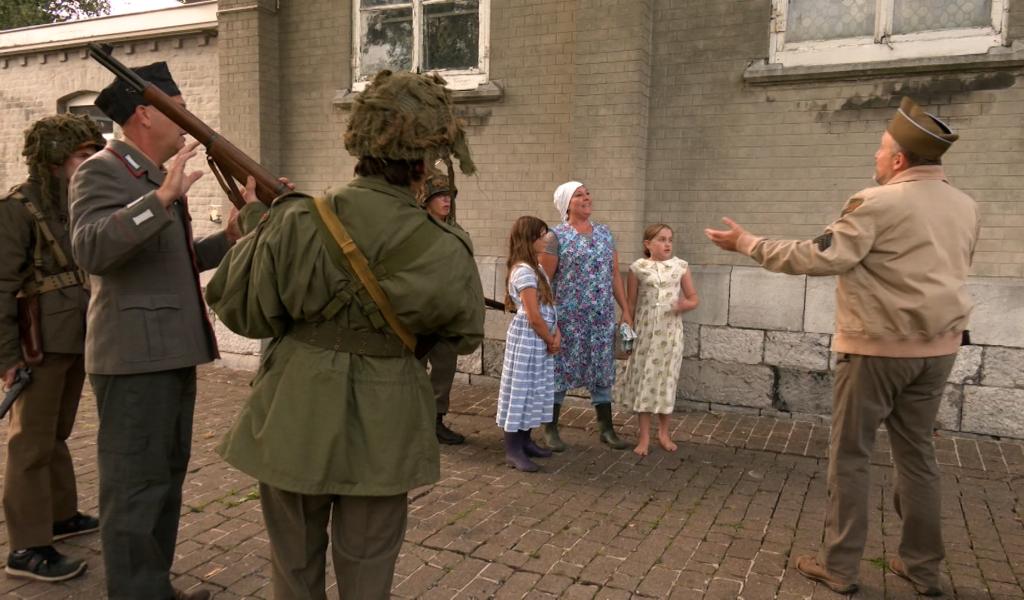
{"x":118,"y":100}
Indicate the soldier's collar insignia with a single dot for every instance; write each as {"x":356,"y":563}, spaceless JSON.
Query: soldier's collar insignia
{"x":133,"y":165}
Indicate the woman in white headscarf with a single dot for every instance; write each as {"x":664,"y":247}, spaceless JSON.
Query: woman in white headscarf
{"x":584,"y":266}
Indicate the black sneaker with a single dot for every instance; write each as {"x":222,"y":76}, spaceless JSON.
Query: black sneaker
{"x":43,"y":563}
{"x":75,"y":525}
{"x":447,"y":436}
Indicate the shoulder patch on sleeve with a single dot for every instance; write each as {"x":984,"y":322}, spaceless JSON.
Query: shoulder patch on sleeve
{"x":823,"y":241}
{"x":852,"y":205}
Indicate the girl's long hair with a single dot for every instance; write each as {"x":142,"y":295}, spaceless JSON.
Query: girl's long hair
{"x":651,"y":232}
{"x":525,"y":232}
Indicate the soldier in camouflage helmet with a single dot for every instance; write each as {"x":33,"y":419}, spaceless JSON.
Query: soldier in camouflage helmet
{"x":437,"y":197}
{"x":40,"y":498}
{"x":336,"y":374}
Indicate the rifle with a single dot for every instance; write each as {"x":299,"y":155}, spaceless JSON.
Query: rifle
{"x":22,"y":377}
{"x":494,"y":304}
{"x":222,"y":156}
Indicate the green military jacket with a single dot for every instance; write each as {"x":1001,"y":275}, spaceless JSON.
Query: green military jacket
{"x":322,"y":421}
{"x":62,"y":311}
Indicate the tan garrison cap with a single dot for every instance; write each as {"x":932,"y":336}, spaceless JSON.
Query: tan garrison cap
{"x":920,"y":132}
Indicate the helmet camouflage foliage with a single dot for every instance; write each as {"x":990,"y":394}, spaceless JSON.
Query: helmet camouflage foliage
{"x":407,"y":116}
{"x":52,"y":140}
{"x":435,"y":184}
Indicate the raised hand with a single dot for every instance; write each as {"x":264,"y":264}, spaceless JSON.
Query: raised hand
{"x":177,"y":182}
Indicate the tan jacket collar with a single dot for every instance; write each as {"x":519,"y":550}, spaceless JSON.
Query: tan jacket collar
{"x":922,"y":173}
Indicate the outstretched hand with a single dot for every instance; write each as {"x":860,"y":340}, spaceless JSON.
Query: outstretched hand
{"x":726,"y":240}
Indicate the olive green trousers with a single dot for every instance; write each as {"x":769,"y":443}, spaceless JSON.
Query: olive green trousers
{"x":443,"y":364}
{"x":905,"y":394}
{"x":39,"y":483}
{"x":366,"y":534}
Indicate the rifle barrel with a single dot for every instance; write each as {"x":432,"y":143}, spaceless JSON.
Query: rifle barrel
{"x":232,"y":161}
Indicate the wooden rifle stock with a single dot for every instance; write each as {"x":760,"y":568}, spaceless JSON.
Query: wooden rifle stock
{"x":223,"y":156}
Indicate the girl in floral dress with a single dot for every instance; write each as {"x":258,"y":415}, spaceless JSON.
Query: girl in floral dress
{"x":660,"y":289}
{"x":527,"y":390}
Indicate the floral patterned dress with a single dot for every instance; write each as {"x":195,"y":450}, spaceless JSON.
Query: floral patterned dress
{"x":649,"y":382}
{"x":586,"y":308}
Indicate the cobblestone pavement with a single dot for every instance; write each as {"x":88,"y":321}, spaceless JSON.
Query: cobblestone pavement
{"x":721,"y":518}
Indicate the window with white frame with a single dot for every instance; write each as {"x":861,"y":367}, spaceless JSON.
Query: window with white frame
{"x":84,"y":103}
{"x":449,"y":37}
{"x":825,"y":32}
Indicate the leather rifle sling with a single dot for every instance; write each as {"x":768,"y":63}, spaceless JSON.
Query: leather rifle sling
{"x":362,"y":270}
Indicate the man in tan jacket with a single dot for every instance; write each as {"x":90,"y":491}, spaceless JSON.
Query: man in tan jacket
{"x":902,"y":251}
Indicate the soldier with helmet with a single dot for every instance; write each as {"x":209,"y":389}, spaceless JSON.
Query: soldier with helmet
{"x":339,"y":426}
{"x":39,"y":276}
{"x":437,"y":197}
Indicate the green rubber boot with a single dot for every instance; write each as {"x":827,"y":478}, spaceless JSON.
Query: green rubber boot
{"x":604,"y":421}
{"x":551,"y":437}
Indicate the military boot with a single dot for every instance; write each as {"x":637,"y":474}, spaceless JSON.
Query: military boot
{"x":604,"y":421}
{"x":445,"y":435}
{"x":551,"y":437}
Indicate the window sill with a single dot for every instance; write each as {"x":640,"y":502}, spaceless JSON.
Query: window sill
{"x":490,"y":91}
{"x":761,"y":73}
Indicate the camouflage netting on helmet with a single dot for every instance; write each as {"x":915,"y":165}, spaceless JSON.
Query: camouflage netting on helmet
{"x":407,"y":116}
{"x":435,"y":184}
{"x":52,"y":140}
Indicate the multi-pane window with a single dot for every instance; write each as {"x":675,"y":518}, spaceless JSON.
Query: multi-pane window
{"x":446,"y":36}
{"x":842,"y":31}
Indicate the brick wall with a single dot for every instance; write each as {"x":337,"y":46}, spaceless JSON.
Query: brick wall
{"x":32,"y":86}
{"x":783,"y":158}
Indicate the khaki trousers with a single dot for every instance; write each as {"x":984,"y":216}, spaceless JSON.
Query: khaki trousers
{"x":39,"y":484}
{"x":903,"y":393}
{"x":366,"y":534}
{"x":443,"y":364}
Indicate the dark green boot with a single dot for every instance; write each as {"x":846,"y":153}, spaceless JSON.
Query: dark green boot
{"x":551,"y":438}
{"x":604,"y":422}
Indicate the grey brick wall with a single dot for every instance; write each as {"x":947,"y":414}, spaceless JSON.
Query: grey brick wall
{"x":32,"y":86}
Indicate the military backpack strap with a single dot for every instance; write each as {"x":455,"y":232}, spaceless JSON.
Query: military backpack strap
{"x":44,"y":229}
{"x":41,"y":284}
{"x":335,"y":229}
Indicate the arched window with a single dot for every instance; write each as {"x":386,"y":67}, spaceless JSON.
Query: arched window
{"x":83,"y":103}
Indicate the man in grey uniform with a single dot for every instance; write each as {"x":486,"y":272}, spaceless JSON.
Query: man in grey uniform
{"x":148,"y":329}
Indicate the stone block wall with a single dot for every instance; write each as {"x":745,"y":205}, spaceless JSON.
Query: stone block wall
{"x":759,"y":343}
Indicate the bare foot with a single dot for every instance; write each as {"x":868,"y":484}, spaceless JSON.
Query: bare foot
{"x":666,"y":442}
{"x":642,"y":448}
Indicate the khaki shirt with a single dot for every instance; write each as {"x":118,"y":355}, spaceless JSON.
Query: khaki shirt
{"x":62,"y":311}
{"x":327,"y":422}
{"x":902,"y":252}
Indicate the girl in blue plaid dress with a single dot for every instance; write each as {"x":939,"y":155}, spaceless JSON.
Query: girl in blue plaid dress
{"x":527,"y":391}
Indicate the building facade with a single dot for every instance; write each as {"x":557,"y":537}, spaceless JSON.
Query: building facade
{"x":675,"y":111}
